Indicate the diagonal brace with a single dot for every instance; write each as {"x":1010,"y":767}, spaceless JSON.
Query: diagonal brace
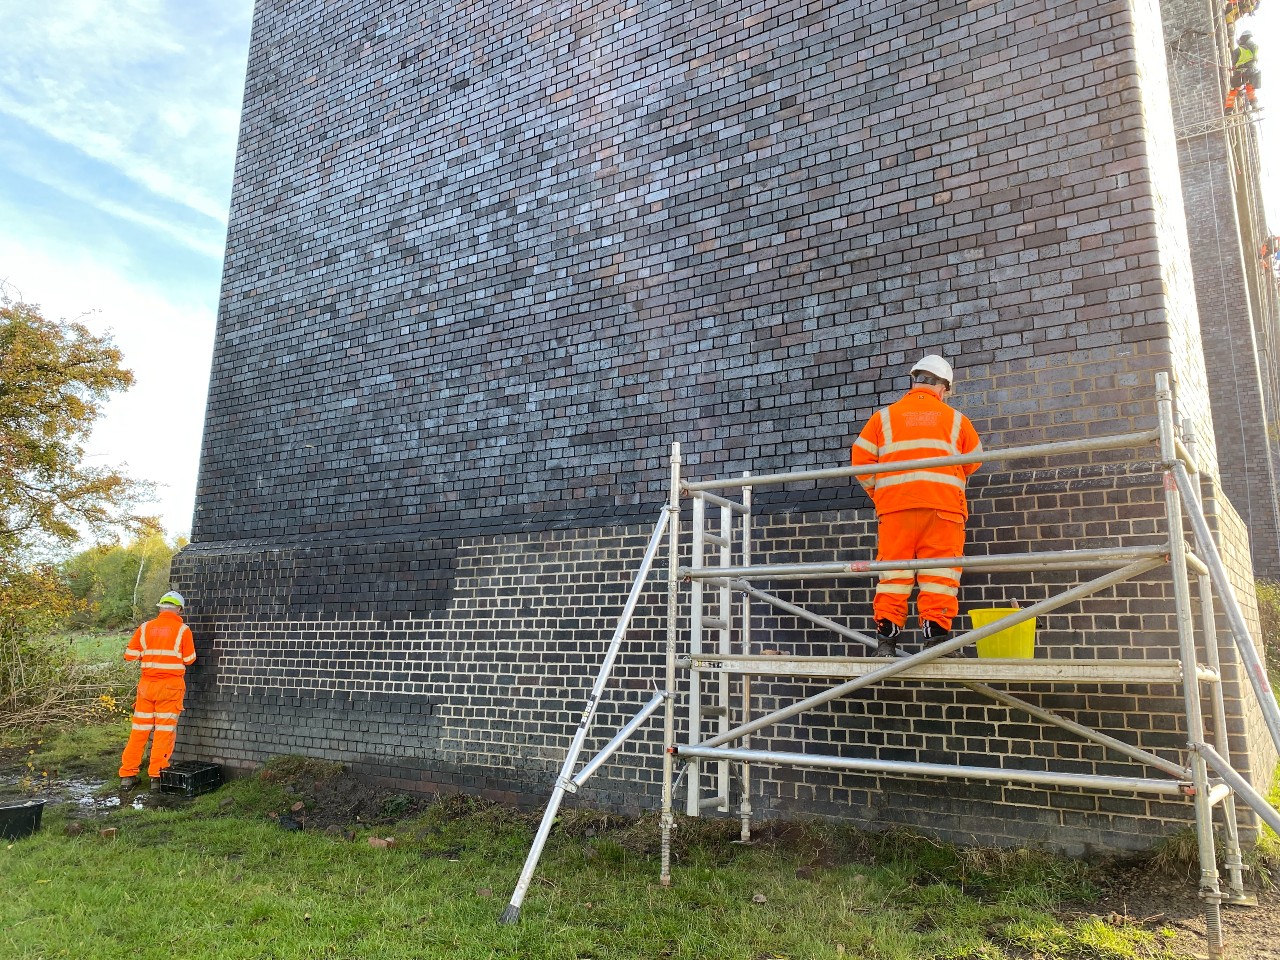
{"x":895,"y":667}
{"x":1000,"y":696}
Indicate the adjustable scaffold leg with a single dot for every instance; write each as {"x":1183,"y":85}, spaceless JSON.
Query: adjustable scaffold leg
{"x":1210,"y":891}
{"x":1236,"y":895}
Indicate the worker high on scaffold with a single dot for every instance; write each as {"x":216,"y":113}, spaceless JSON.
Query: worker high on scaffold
{"x":921,"y":513}
{"x":1246,"y":78}
{"x":1235,"y":9}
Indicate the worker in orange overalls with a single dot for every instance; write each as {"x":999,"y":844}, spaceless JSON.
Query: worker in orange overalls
{"x":921,"y":512}
{"x":165,"y":648}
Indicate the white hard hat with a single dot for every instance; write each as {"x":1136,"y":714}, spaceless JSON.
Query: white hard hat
{"x":172,"y":598}
{"x":934,"y":364}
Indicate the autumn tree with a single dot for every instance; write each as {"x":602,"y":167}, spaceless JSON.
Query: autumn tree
{"x":54,"y":379}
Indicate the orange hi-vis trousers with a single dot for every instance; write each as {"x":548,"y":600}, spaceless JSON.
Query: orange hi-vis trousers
{"x":156,"y":709}
{"x":919,"y":534}
{"x":1245,"y":90}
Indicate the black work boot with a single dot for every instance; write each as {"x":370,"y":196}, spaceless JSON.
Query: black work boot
{"x":933,"y":634}
{"x":886,"y":632}
{"x":128,"y":783}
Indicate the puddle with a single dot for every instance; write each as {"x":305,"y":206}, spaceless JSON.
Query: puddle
{"x":86,"y":796}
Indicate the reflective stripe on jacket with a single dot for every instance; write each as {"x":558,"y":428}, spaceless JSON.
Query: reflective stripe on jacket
{"x":917,"y":427}
{"x":164,"y":646}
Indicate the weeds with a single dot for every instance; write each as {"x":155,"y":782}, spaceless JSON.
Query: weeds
{"x":90,"y":751}
{"x":1177,"y":856}
{"x":1264,"y":858}
{"x":43,"y":682}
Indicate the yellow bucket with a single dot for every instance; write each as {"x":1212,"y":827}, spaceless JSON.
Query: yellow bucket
{"x":1017,"y":642}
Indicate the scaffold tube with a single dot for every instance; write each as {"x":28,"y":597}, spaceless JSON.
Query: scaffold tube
{"x":621,"y":737}
{"x":1005,"y":561}
{"x":669,"y":716}
{"x":1254,"y":666}
{"x":867,"y":765}
{"x":1007,"y":699}
{"x":721,"y":502}
{"x":1221,"y":739}
{"x":512,"y":913}
{"x":1116,"y":442}
{"x":1210,"y":878}
{"x":1243,"y":788}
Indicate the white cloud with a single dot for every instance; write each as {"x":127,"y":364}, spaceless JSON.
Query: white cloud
{"x":126,"y":83}
{"x":122,"y":95}
{"x":155,"y":428}
{"x":207,"y":238}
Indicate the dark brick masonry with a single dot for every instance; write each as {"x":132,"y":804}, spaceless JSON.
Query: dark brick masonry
{"x":486,"y":261}
{"x":483,"y":697}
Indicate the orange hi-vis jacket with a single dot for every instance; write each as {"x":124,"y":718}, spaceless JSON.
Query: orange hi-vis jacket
{"x":917,"y":427}
{"x":164,"y":646}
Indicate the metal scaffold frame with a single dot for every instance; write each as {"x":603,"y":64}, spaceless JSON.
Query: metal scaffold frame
{"x":711,"y":608}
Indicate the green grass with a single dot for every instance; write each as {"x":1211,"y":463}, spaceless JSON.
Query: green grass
{"x":217,"y":877}
{"x":1266,"y":855}
{"x":91,"y":751}
{"x":208,"y":881}
{"x":199,"y":882}
{"x":95,"y":647}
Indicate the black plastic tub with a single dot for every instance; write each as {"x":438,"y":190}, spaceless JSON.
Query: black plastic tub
{"x":18,"y":820}
{"x":190,"y":778}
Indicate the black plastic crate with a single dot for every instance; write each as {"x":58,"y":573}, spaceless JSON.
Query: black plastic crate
{"x":18,"y":820}
{"x":190,"y":778}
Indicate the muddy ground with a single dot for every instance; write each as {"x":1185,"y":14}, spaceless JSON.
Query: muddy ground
{"x":1152,"y":898}
{"x":323,"y":797}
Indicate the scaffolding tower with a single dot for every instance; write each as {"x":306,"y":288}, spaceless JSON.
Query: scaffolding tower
{"x":723,"y":582}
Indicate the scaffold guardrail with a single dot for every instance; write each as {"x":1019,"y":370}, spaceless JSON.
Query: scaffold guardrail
{"x":713,"y":585}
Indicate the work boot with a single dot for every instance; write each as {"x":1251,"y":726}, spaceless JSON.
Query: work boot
{"x":886,"y":632}
{"x":128,"y":783}
{"x":933,"y":634}
{"x":155,"y":785}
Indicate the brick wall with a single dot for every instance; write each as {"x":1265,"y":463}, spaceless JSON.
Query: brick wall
{"x":420,"y":332}
{"x":485,"y":695}
{"x":485,"y":263}
{"x":1214,"y":181}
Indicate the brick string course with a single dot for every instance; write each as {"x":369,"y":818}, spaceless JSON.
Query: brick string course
{"x":486,"y":262}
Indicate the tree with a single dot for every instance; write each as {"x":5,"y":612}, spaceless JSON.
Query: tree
{"x":118,"y":586}
{"x":54,"y":378}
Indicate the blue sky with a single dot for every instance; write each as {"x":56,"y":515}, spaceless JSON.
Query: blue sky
{"x":118,"y":126}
